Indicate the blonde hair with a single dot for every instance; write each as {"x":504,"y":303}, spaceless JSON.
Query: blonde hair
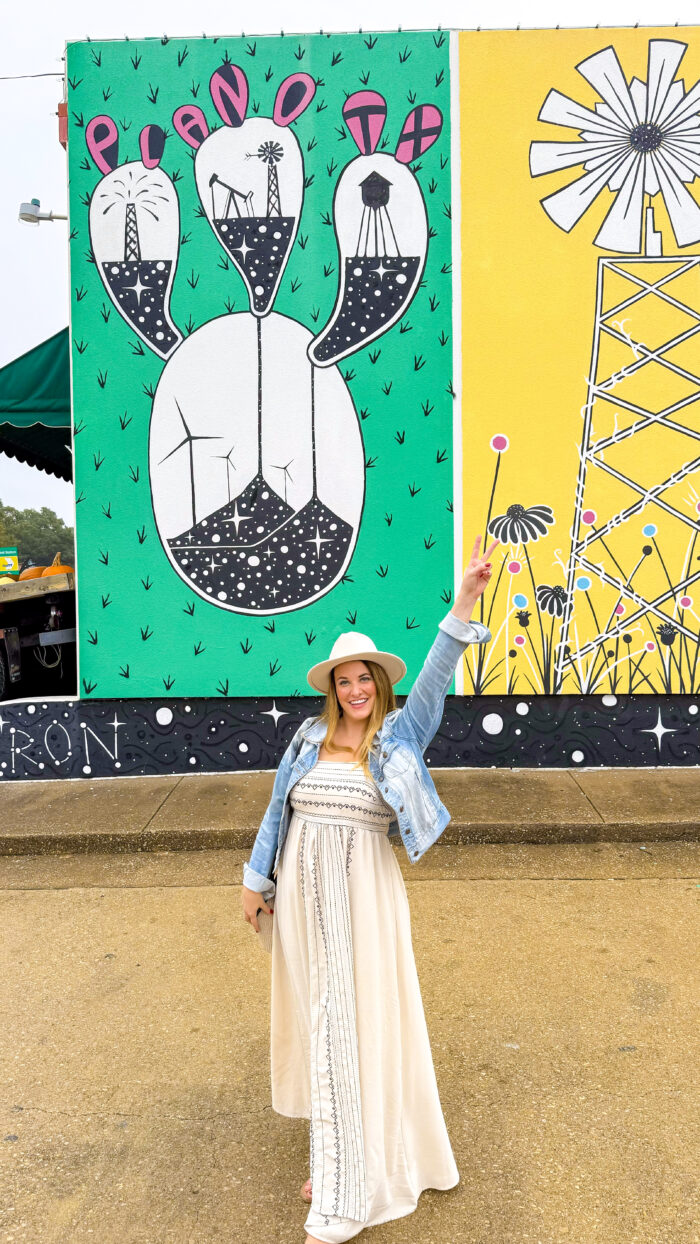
{"x":385,"y":702}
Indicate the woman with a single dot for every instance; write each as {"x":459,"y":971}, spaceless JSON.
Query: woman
{"x":349,"y":1043}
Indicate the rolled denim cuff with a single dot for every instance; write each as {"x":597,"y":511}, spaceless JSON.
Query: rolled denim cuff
{"x":467,"y":632}
{"x":255,"y":881}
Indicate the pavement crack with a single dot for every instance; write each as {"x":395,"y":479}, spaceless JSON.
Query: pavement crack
{"x":589,"y":801}
{"x":165,"y":799}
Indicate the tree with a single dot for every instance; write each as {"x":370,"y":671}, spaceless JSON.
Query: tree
{"x":38,"y":534}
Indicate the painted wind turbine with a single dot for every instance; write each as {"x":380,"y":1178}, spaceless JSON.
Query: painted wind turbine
{"x":640,"y":140}
{"x":135,"y":232}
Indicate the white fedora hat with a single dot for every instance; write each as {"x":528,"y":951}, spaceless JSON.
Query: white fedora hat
{"x":353,"y":646}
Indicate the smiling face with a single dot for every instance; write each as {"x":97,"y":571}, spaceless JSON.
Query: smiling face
{"x":356,"y":689}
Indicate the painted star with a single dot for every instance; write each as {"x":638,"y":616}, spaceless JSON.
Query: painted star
{"x":138,"y":289}
{"x":243,"y":249}
{"x":381,"y":270}
{"x":213,"y":565}
{"x":274,"y":713}
{"x":117,"y":723}
{"x":318,"y":540}
{"x":238,"y":518}
{"x":269,"y":552}
{"x":659,"y":730}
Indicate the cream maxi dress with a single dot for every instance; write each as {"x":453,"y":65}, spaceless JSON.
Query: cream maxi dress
{"x":349,"y":1043}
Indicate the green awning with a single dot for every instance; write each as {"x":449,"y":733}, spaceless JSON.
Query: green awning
{"x":35,"y":415}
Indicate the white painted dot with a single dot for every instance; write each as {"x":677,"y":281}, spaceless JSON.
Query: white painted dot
{"x":260,"y":290}
{"x":400,"y":279}
{"x":160,"y":336}
{"x":693,"y":709}
{"x":193,"y":760}
{"x":117,"y":764}
{"x":253,"y":560}
{"x":609,"y":700}
{"x":188,"y":708}
{"x":115,"y":268}
{"x":240,"y":587}
{"x":31,"y":708}
{"x":492,"y":723}
{"x":243,"y":747}
{"x":87,"y":769}
{"x":160,"y":266}
{"x":518,"y":732}
{"x":284,"y":548}
{"x":164,"y":716}
{"x":222,"y":596}
{"x":522,"y":709}
{"x":215,"y":538}
{"x":301,"y":569}
{"x":577,"y":757}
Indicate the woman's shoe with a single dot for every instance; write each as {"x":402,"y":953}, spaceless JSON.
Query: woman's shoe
{"x":306,"y":1191}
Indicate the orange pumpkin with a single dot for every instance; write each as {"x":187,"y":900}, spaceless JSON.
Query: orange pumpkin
{"x":32,"y":572}
{"x":57,"y":567}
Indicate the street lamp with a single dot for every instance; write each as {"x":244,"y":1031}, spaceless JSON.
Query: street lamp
{"x":31,"y":215}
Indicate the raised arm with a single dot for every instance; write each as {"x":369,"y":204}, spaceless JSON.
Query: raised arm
{"x":421,"y":715}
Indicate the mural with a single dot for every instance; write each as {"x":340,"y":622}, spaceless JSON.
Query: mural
{"x":594,"y":591}
{"x":261,"y":487}
{"x":280,"y":433}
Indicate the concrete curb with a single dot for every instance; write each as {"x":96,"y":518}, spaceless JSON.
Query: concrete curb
{"x":199,"y":812}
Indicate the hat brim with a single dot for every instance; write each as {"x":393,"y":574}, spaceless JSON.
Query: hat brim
{"x":319,"y":676}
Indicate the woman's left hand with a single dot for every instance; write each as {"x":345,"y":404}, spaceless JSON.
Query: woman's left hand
{"x":477,"y":573}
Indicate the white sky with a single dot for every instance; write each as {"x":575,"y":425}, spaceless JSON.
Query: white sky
{"x":34,"y":259}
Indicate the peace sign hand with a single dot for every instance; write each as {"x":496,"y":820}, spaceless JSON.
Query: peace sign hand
{"x":477,"y":574}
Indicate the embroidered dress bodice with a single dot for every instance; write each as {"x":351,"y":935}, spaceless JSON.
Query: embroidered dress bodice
{"x":336,"y":793}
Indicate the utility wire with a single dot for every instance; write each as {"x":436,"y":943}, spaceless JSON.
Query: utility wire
{"x":13,"y":77}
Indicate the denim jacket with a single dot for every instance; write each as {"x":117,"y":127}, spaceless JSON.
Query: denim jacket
{"x":395,"y":761}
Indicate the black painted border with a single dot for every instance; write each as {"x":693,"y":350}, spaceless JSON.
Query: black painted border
{"x":43,"y":739}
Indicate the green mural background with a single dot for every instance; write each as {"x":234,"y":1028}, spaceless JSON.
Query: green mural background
{"x":143,"y":632}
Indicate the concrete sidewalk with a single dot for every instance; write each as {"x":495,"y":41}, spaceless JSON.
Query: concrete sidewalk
{"x":195,"y":812}
{"x":560,"y":991}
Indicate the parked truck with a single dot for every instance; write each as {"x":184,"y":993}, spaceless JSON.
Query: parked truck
{"x":37,"y":637}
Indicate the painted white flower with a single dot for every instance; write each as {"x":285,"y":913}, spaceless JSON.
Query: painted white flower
{"x":642,"y":138}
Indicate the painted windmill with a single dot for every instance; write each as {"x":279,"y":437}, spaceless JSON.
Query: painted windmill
{"x":641,"y":420}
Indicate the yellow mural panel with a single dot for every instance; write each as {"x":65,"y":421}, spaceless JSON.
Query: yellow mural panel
{"x":581,"y":355}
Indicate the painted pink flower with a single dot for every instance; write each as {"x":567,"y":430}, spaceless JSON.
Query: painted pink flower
{"x":520,"y":641}
{"x":514,"y":567}
{"x":650,"y":647}
{"x":589,"y":516}
{"x":499,"y":443}
{"x":619,"y":609}
{"x":686,"y":602}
